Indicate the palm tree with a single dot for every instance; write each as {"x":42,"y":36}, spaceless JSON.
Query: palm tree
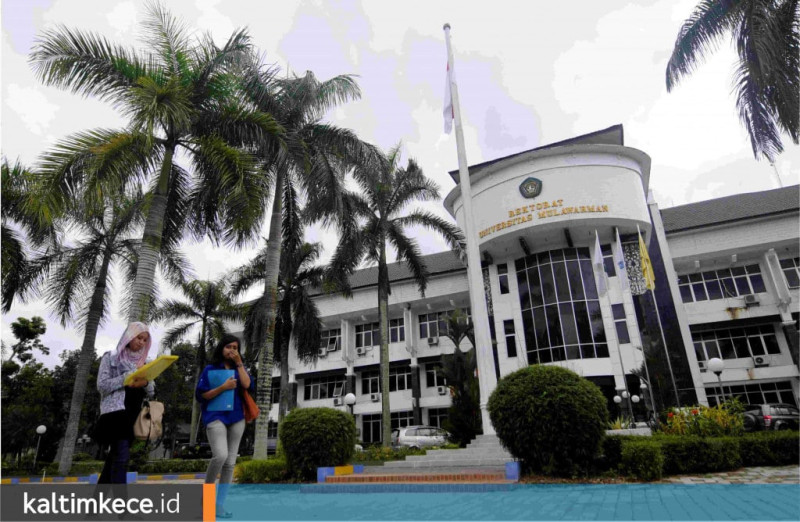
{"x":209,"y":305}
{"x":183,"y":97}
{"x":310,"y":162}
{"x":378,"y":217}
{"x":20,"y":229}
{"x":464,"y":416}
{"x":297,"y":317}
{"x":767,"y":78}
{"x":78,"y":283}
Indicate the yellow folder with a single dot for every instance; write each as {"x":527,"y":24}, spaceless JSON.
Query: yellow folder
{"x":152,"y":369}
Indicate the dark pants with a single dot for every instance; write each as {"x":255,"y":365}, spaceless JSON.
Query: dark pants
{"x":115,"y":470}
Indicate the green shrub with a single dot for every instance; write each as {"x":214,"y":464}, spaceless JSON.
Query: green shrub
{"x":550,"y":418}
{"x":722,"y":420}
{"x":755,"y":450}
{"x":83,"y":468}
{"x":784,"y":446}
{"x":642,"y":459}
{"x":168,"y":466}
{"x":262,"y":471}
{"x":692,"y":454}
{"x":81,"y":457}
{"x":316,"y":437}
{"x":611,"y":451}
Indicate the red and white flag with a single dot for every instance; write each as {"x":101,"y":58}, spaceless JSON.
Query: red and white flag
{"x":449,"y":111}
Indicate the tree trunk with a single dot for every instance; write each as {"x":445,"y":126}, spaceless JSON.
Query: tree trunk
{"x":84,"y":366}
{"x":286,"y":390}
{"x":383,"y":328}
{"x":151,"y":242}
{"x":201,"y":362}
{"x":265,"y":352}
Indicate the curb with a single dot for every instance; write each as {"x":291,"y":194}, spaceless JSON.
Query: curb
{"x":133,"y":478}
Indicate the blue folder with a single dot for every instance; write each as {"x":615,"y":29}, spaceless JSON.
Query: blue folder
{"x":223,"y":401}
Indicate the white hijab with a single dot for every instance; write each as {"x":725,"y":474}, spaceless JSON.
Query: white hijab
{"x":124,"y":354}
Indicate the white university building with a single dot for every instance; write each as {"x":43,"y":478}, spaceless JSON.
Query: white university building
{"x":727,"y":285}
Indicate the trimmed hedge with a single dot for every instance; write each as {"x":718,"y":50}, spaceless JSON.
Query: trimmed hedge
{"x":316,"y":437}
{"x":550,"y":418}
{"x":642,"y":459}
{"x":262,"y":471}
{"x":691,"y":455}
{"x":174,"y":466}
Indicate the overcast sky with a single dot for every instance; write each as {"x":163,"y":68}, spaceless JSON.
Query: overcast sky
{"x":527,"y":76}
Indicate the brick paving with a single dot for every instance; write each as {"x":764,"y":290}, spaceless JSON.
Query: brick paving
{"x":754,"y":475}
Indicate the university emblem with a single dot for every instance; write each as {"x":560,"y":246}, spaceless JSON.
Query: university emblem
{"x":530,"y":188}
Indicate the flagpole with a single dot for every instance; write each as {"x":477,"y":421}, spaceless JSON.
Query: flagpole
{"x":661,"y":331}
{"x":487,"y":379}
{"x":644,"y":355}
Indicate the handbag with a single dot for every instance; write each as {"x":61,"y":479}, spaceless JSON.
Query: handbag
{"x":251,"y":410}
{"x":148,"y":424}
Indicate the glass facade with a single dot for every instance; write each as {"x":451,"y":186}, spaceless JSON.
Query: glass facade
{"x":736,"y":343}
{"x":560,"y":308}
{"x":720,"y":284}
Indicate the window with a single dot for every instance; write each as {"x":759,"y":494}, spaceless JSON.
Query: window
{"x":397,"y":331}
{"x":561,"y":315}
{"x":608,"y":260}
{"x":621,"y":324}
{"x":399,"y":378}
{"x":371,"y":425}
{"x":791,"y":269}
{"x":401,"y":419}
{"x":755,"y":393}
{"x":502,"y":276}
{"x":322,"y":387}
{"x":721,"y":284}
{"x":331,"y":340}
{"x":735,"y":343}
{"x":434,"y":324}
{"x":433,"y":376}
{"x":370,"y":382}
{"x":272,"y":430}
{"x":511,"y":338}
{"x":437,"y":416}
{"x":367,"y":335}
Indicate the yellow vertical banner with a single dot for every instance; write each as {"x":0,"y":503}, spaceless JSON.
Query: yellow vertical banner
{"x":647,"y":266}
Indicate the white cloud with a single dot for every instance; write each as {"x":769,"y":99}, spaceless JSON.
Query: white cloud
{"x":32,"y":106}
{"x":123,"y":18}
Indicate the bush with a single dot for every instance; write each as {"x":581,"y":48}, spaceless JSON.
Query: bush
{"x":722,"y":420}
{"x":159,"y":467}
{"x":83,"y":468}
{"x":610,"y":456}
{"x":315,"y":437}
{"x":262,"y":471}
{"x":550,"y":418}
{"x":765,"y":448}
{"x":691,"y":454}
{"x":81,"y":457}
{"x":642,"y":459}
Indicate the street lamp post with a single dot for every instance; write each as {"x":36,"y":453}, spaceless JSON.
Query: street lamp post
{"x":350,"y":400}
{"x":40,"y":430}
{"x":716,"y":365}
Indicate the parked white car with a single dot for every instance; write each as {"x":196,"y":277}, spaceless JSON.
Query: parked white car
{"x":419,"y":437}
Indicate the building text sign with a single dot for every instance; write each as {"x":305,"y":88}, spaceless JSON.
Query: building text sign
{"x":544,"y":210}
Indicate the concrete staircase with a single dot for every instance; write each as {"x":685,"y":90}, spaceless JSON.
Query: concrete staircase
{"x":483,"y":453}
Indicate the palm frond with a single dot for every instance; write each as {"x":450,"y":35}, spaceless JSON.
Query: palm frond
{"x":408,"y":252}
{"x":699,"y":35}
{"x":450,"y":232}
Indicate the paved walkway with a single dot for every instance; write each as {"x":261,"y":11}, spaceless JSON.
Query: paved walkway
{"x":756,"y":475}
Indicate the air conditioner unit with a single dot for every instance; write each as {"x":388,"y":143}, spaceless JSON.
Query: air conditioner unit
{"x":433,"y":341}
{"x":322,"y":352}
{"x":442,"y":390}
{"x":338,"y":401}
{"x":702,"y":365}
{"x":374,"y":397}
{"x":751,"y":300}
{"x":761,"y":360}
{"x":361,"y":352}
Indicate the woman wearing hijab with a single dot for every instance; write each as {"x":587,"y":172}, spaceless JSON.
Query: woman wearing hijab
{"x":224,"y":428}
{"x":120,"y":404}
